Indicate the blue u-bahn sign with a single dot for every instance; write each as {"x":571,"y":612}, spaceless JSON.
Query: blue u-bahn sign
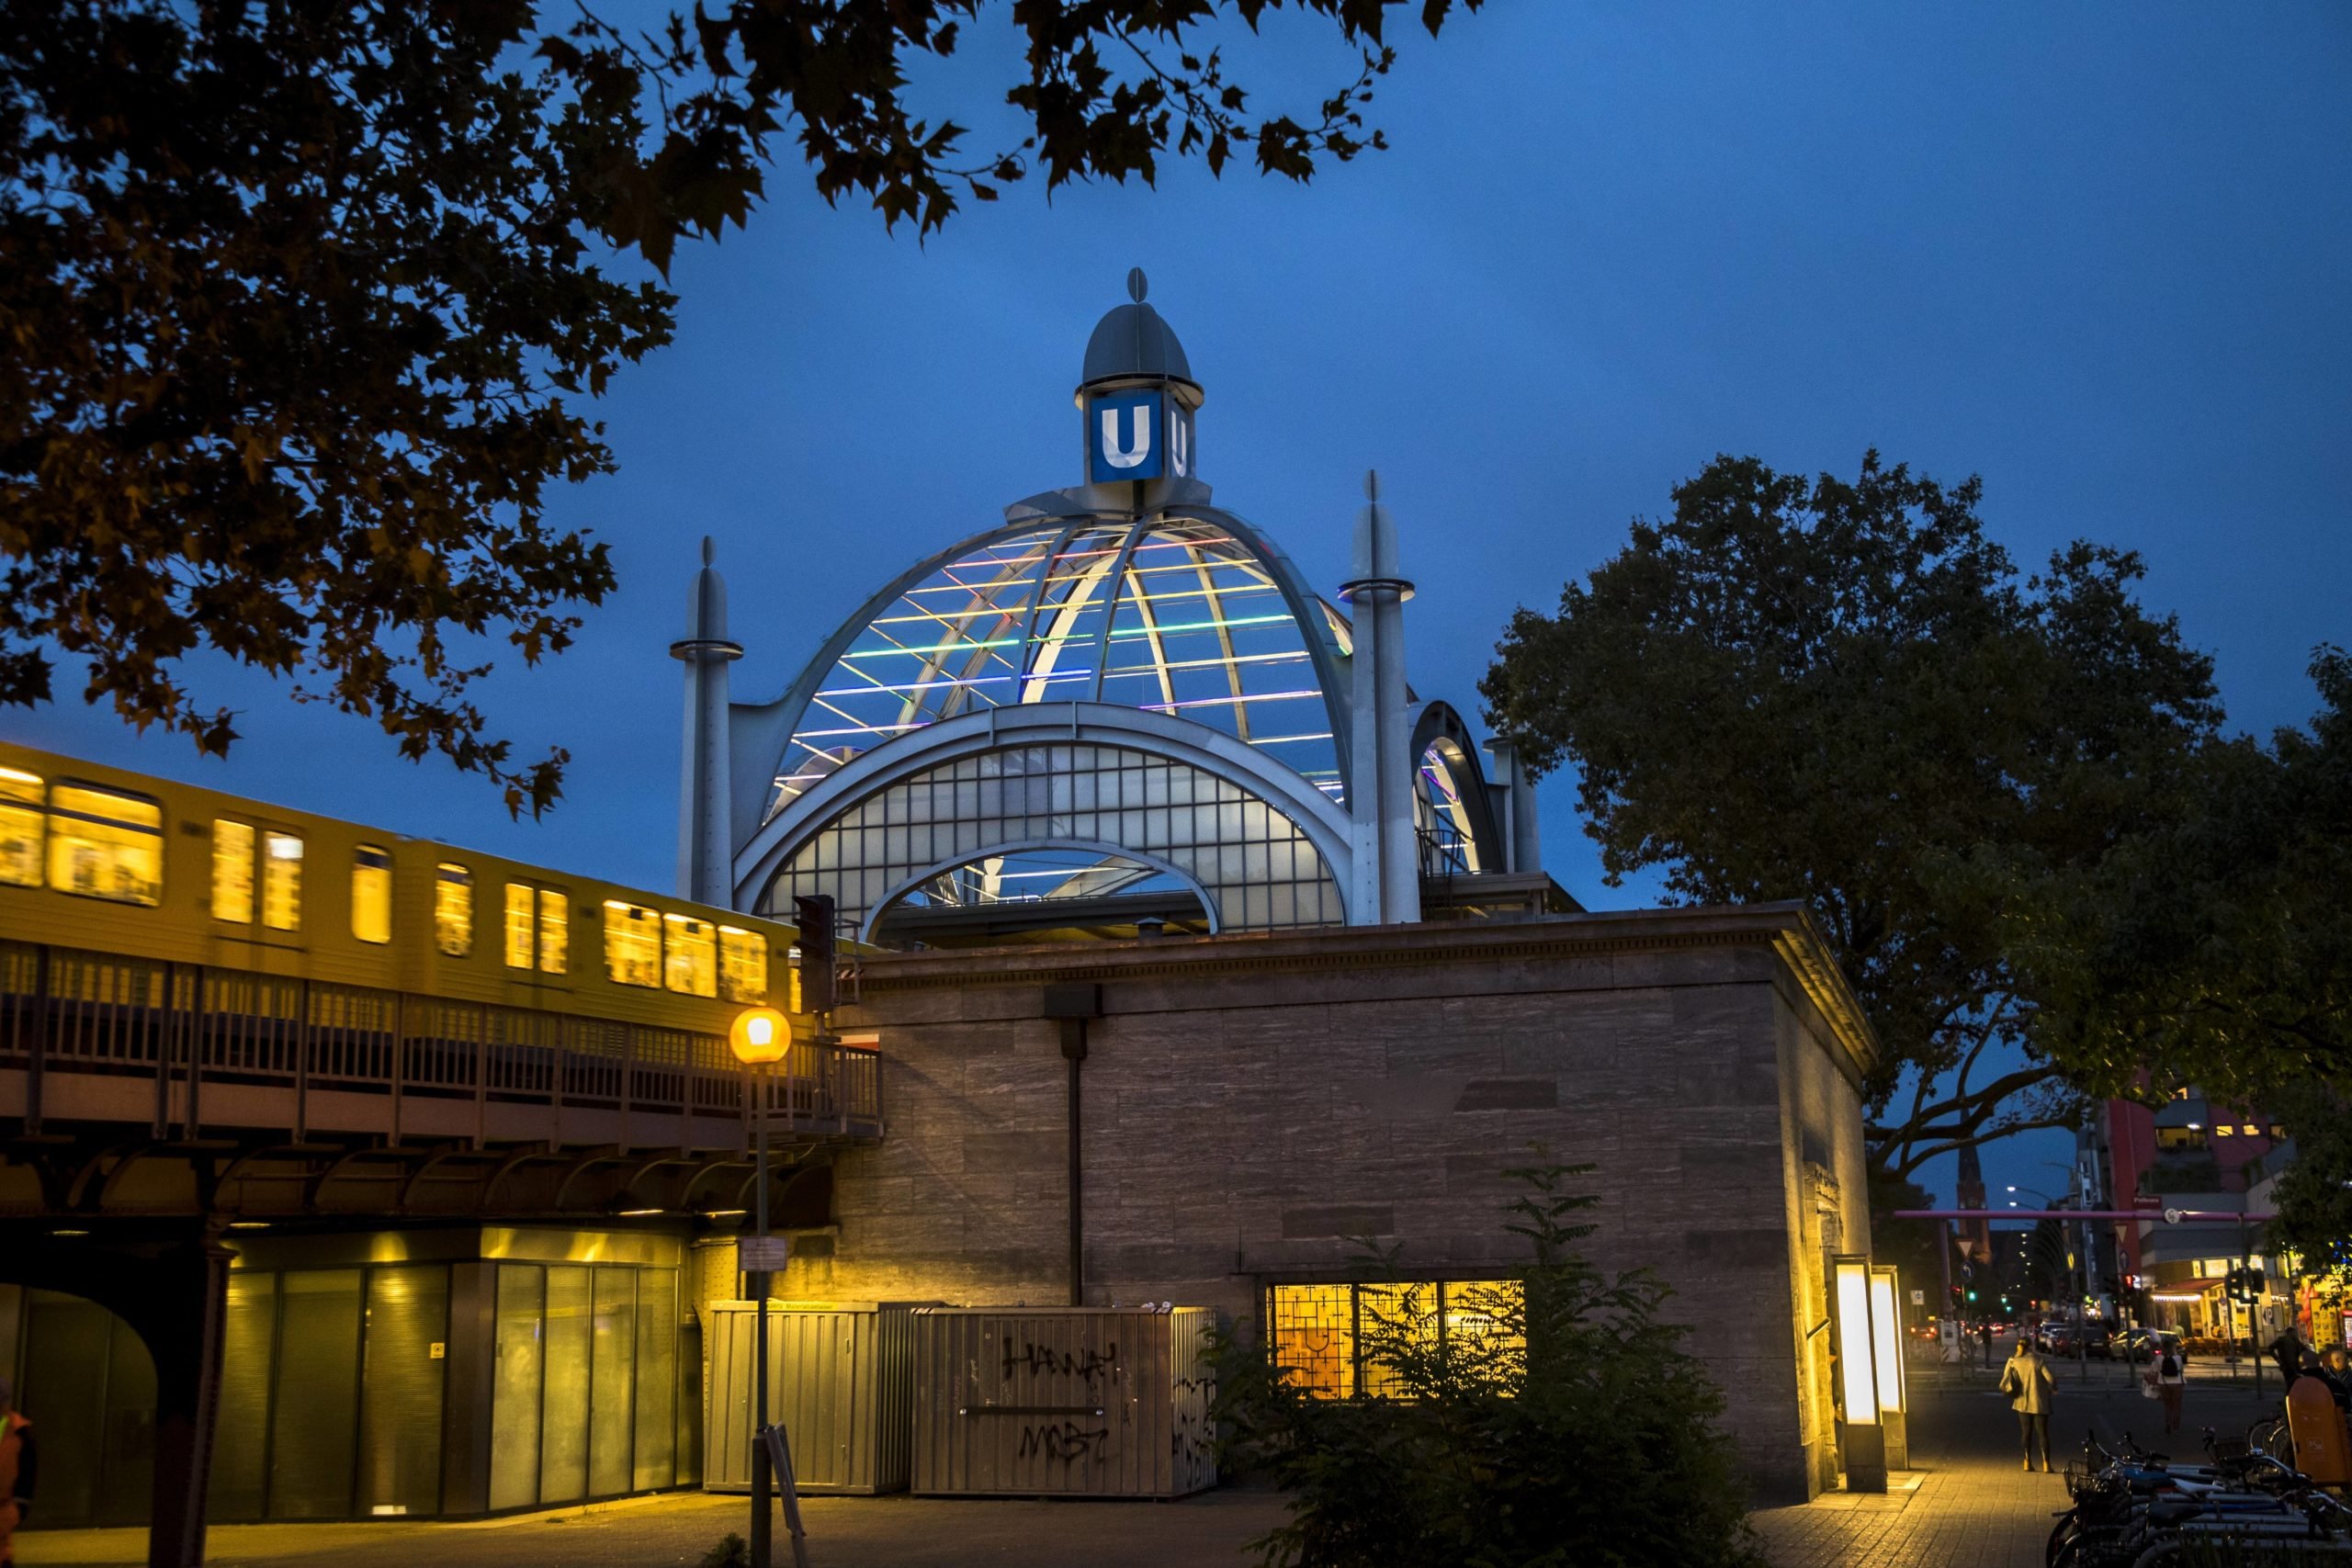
{"x":1142,"y":433}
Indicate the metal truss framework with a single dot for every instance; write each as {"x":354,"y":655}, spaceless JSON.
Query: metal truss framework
{"x":1195,"y":618}
{"x":1257,"y":844}
{"x":1197,"y":614}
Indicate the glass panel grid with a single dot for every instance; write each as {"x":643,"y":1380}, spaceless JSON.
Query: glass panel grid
{"x":1256,"y":864}
{"x":1177,"y":615}
{"x":1323,"y":1334}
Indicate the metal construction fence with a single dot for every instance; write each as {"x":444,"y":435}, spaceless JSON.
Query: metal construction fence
{"x":189,"y":1028}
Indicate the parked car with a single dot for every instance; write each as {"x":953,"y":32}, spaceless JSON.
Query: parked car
{"x":2145,"y":1344}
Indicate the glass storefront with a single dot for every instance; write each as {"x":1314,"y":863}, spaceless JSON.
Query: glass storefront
{"x":336,"y":1386}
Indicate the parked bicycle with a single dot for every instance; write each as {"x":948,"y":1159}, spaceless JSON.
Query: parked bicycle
{"x":2135,"y":1508}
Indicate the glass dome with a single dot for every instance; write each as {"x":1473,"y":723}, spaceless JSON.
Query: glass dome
{"x":1196,"y":616}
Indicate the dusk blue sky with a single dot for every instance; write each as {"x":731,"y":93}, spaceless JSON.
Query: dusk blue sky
{"x":2100,"y":254}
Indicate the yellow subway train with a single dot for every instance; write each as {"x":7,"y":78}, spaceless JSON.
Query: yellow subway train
{"x":103,"y":860}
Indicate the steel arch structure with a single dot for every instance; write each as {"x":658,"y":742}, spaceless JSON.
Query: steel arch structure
{"x":1193,"y":612}
{"x":1261,"y":845}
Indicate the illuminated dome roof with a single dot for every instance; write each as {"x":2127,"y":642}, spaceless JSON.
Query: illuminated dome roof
{"x":1196,"y":616}
{"x":1120,"y":705}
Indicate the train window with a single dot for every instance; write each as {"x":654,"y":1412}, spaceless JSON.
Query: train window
{"x":537,"y":929}
{"x":453,"y":909}
{"x":689,"y":961}
{"x":282,"y":881}
{"x":371,"y":893}
{"x":20,"y":828}
{"x":105,"y":844}
{"x":233,"y":870}
{"x":555,"y":931}
{"x":743,"y":965}
{"x":632,"y":943}
{"x":520,"y":901}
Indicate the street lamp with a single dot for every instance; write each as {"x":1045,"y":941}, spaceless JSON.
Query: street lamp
{"x":760,"y":1037}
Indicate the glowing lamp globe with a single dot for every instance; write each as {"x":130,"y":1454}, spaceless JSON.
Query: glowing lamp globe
{"x":759,"y":1036}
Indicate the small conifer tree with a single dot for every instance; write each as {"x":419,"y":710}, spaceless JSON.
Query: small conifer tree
{"x":1553,"y":1418}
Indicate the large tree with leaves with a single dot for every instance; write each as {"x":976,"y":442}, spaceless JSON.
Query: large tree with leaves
{"x":304,"y":297}
{"x":2218,"y":951}
{"x":1843,"y":692}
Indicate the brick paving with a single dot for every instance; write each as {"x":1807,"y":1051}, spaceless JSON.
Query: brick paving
{"x":1966,"y":1505}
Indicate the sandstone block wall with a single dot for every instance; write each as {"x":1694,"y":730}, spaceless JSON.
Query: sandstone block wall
{"x":1249,"y":1104}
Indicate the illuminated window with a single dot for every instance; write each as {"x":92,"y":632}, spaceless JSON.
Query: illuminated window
{"x":1327,"y":1337}
{"x":282,"y":881}
{"x":453,"y":909}
{"x":2278,"y":1133}
{"x":233,"y":870}
{"x":538,"y":929}
{"x":20,"y":828}
{"x":1314,"y":1338}
{"x":371,"y":893}
{"x":2249,"y":1130}
{"x":555,"y":931}
{"x":743,"y":965}
{"x":2222,"y":1129}
{"x":632,"y":943}
{"x":689,"y":956}
{"x":2180,"y":1138}
{"x":105,"y":844}
{"x":520,"y":902}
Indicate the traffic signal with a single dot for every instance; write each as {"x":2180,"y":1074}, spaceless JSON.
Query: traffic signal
{"x":1972,"y":1293}
{"x":2253,"y":1284}
{"x":814,"y":914}
{"x":2233,"y":1286}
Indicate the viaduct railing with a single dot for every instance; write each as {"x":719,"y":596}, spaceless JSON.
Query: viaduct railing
{"x":190,"y":1050}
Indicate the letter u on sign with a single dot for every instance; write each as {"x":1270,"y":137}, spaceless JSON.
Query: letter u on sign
{"x":1123,"y":436}
{"x":1137,"y":446}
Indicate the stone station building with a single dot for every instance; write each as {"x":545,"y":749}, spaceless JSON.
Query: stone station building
{"x":1201,"y":948}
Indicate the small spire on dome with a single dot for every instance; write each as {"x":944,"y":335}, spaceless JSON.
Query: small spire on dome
{"x":1372,"y":484}
{"x":709,"y":550}
{"x":1138,"y":285}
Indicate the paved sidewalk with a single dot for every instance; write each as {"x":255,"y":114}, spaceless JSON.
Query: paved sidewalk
{"x":1968,"y":1505}
{"x":663,"y":1532}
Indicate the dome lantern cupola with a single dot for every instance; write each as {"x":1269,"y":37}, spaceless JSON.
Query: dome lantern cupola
{"x":1138,"y":396}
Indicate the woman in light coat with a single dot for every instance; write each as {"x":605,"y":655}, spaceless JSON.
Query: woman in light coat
{"x":2031,"y":1390}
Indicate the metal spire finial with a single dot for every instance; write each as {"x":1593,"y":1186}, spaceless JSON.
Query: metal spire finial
{"x":1138,"y":285}
{"x":1372,"y":484}
{"x":709,"y":549}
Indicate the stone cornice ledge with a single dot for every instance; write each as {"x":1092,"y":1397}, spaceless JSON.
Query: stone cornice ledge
{"x":1786,"y":929}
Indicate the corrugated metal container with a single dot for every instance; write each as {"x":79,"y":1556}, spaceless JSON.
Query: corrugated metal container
{"x":1095,"y":1402}
{"x":840,"y":1384}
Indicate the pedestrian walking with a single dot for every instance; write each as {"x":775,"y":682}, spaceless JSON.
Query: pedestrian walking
{"x":2032,"y":1389}
{"x":2292,"y":1354}
{"x":19,"y":1468}
{"x":2169,"y":1379}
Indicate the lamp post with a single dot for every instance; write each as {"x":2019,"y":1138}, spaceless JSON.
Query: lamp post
{"x":759,"y":1037}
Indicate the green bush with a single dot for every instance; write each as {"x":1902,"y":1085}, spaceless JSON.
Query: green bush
{"x":1562,"y":1421}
